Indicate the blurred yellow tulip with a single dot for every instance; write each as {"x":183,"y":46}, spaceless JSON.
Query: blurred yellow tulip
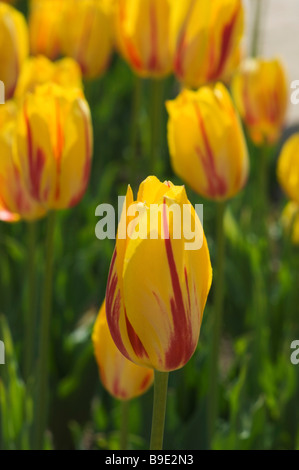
{"x":205,"y":39}
{"x":88,"y":37}
{"x":13,"y":46}
{"x":142,"y":32}
{"x":122,"y":378}
{"x":288,"y":168}
{"x":15,"y":200}
{"x":45,"y":25}
{"x":260,"y":92}
{"x":206,"y":142}
{"x":40,"y":70}
{"x":290,"y":221}
{"x":157,"y":288}
{"x":54,"y":138}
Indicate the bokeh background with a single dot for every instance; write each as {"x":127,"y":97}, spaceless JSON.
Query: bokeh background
{"x":259,"y":387}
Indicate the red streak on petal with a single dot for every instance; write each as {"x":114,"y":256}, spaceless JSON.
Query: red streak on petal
{"x":179,"y":56}
{"x":117,"y":391}
{"x":216,"y":184}
{"x":153,"y":61}
{"x":181,"y":346}
{"x":250,"y":116}
{"x":59,"y":149}
{"x":113,"y":306}
{"x":130,"y":48}
{"x":136,"y":344}
{"x":226,"y":46}
{"x":36,"y":161}
{"x":182,"y":44}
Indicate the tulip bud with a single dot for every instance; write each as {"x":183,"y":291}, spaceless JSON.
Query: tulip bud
{"x":15,"y":200}
{"x":13,"y":46}
{"x":88,"y":37}
{"x":205,"y":39}
{"x":142,"y":31}
{"x":288,"y":168}
{"x":55,"y":145}
{"x":157,"y":286}
{"x":290,"y":221}
{"x":40,"y":70}
{"x":45,"y":25}
{"x":121,"y":378}
{"x":260,"y":92}
{"x":206,"y":142}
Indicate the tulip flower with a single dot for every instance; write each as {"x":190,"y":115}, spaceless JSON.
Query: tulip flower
{"x":260,"y":92}
{"x":122,"y":378}
{"x":157,"y":289}
{"x":206,"y":142}
{"x":205,"y":39}
{"x":142,"y":31}
{"x":15,"y":200}
{"x":88,"y":37}
{"x":45,"y":26}
{"x":54,"y":138}
{"x":290,"y":221}
{"x":40,"y":70}
{"x":288,"y":168}
{"x":13,"y":46}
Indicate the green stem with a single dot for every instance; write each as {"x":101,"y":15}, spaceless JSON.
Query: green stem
{"x":124,"y":425}
{"x":255,"y":45}
{"x":157,"y":94}
{"x":217,"y":325}
{"x":264,"y":199}
{"x":136,"y":105}
{"x":30,"y":320}
{"x":45,"y":326}
{"x":159,"y":410}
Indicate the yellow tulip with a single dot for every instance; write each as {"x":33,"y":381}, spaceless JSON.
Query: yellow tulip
{"x":261,"y":95}
{"x":88,"y":37}
{"x":206,"y":142}
{"x":122,"y":378}
{"x":54,"y":138}
{"x":15,"y":200}
{"x":290,"y":221}
{"x":40,"y":70}
{"x":13,"y":46}
{"x":142,"y":31}
{"x":288,"y":168}
{"x":157,"y":287}
{"x":45,"y":25}
{"x":205,"y":39}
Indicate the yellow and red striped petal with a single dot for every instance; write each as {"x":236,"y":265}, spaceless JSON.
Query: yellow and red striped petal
{"x":157,"y":301}
{"x":206,"y":142}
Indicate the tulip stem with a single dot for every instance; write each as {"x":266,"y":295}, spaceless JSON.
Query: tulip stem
{"x":45,"y":326}
{"x":217,"y":325}
{"x":157,"y":93}
{"x":255,"y":46}
{"x":124,"y":425}
{"x":159,"y":410}
{"x":136,"y":103}
{"x":30,"y":319}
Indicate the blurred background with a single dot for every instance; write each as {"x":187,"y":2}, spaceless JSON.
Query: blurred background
{"x":259,"y":387}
